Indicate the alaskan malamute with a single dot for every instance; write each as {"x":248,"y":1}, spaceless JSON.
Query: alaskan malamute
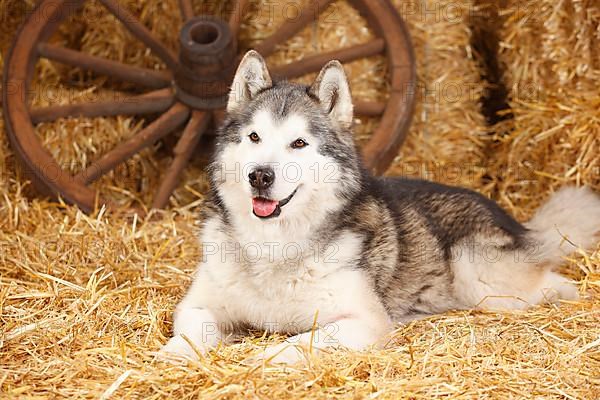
{"x":300,"y":239}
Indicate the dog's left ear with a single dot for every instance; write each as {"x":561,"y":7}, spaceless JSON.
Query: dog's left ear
{"x":251,"y":77}
{"x":333,"y":91}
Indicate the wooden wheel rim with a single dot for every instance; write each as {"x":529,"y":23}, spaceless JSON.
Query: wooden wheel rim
{"x":50,"y":179}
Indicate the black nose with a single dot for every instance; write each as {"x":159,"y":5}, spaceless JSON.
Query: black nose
{"x":262,"y":177}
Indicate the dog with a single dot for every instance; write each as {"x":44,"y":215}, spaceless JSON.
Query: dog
{"x":299,"y":238}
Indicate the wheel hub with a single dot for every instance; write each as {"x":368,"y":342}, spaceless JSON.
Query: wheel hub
{"x":207,"y":62}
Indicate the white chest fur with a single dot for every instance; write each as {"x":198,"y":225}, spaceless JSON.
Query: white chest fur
{"x":280,"y":285}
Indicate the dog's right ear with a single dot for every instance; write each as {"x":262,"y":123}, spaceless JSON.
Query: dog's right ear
{"x":333,"y":91}
{"x":250,"y":78}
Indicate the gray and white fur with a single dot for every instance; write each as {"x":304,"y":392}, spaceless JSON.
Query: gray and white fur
{"x":300,"y":239}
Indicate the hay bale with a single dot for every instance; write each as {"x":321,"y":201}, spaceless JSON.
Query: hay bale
{"x":549,"y":52}
{"x":447,"y":136}
{"x":84,"y":300}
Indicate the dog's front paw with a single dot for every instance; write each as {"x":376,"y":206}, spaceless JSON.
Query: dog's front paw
{"x":178,"y":348}
{"x":284,"y":353}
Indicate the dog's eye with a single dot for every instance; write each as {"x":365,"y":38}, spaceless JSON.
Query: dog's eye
{"x":254,"y":137}
{"x":298,"y":144}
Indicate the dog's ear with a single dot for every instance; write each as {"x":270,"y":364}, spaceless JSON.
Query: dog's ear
{"x":250,"y":78}
{"x":333,"y":91}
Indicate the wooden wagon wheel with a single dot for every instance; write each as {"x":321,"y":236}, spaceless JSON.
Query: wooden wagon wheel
{"x":191,"y":92}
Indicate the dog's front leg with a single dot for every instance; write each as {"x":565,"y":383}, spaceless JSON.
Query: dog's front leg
{"x":197,"y":328}
{"x":349,"y":333}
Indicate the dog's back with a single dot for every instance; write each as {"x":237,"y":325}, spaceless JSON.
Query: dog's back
{"x":452,"y":213}
{"x":458,"y":249}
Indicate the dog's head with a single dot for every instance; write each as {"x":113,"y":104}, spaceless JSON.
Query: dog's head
{"x":285,"y":151}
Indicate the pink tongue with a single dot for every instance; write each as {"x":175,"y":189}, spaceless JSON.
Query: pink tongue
{"x":263,"y":207}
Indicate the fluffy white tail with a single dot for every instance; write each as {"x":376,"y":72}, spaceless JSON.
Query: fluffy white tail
{"x":569,"y":219}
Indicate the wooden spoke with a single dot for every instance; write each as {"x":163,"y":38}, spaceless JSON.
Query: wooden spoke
{"x":182,"y":152}
{"x":142,"y":76}
{"x":369,"y":108}
{"x":219,"y":116}
{"x":292,"y":26}
{"x":149,"y":103}
{"x":187,"y":12}
{"x":141,"y":32}
{"x":316,"y":62}
{"x":237,"y":16}
{"x":164,"y":125}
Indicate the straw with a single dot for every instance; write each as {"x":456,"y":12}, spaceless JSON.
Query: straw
{"x":85,"y":301}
